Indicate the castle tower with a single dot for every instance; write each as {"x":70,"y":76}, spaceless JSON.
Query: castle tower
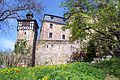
{"x":27,"y":29}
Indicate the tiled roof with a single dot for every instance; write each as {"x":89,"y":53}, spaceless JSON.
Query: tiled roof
{"x":55,"y":19}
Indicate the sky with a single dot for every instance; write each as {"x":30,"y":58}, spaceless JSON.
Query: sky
{"x":8,"y":37}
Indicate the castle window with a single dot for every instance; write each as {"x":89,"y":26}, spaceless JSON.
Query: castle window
{"x":50,"y":35}
{"x":32,"y":28}
{"x":47,"y":46}
{"x":31,"y":24}
{"x":23,"y":27}
{"x":25,"y":33}
{"x":19,"y":23}
{"x":52,"y":17}
{"x":51,"y":26}
{"x":59,"y":47}
{"x":63,"y":36}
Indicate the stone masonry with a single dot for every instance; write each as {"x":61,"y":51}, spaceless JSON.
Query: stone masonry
{"x":54,"y":46}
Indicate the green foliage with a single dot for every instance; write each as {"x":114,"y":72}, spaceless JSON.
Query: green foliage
{"x":91,"y":51}
{"x":111,"y":67}
{"x":22,"y":52}
{"x":77,"y":57}
{"x":4,"y":57}
{"x":1,"y":58}
{"x":74,"y":71}
{"x":21,"y":47}
{"x":101,"y":23}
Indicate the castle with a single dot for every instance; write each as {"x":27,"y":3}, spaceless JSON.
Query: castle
{"x":54,"y":46}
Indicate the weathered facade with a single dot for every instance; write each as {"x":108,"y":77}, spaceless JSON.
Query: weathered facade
{"x":54,"y":46}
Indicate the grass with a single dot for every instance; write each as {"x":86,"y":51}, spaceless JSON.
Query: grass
{"x":73,"y":71}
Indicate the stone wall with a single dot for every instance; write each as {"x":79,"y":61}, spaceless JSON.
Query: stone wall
{"x":54,"y":52}
{"x":26,"y":34}
{"x":56,"y":49}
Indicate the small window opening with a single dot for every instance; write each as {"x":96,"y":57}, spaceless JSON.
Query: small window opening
{"x":51,"y":26}
{"x":52,"y":45}
{"x":47,"y":46}
{"x":52,"y":17}
{"x":25,"y":33}
{"x":63,"y":36}
{"x":50,"y":35}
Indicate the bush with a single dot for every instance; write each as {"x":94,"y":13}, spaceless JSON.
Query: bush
{"x":91,"y":50}
{"x":77,"y":57}
{"x":74,"y":71}
{"x":111,"y":67}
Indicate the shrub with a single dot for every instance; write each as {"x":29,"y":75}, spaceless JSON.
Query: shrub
{"x":111,"y":67}
{"x":74,"y":71}
{"x":77,"y":57}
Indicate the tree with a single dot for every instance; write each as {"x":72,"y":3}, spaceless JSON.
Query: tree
{"x":91,"y":50}
{"x":2,"y":57}
{"x":95,"y":19}
{"x":10,"y":9}
{"x":6,"y":58}
{"x":22,"y":52}
{"x":13,"y":9}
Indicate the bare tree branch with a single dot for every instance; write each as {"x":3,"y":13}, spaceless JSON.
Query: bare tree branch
{"x":13,"y":8}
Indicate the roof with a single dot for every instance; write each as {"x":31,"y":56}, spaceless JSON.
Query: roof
{"x":29,"y":14}
{"x":54,"y":19}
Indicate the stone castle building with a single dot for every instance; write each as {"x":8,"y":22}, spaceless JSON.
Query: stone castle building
{"x":54,"y":46}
